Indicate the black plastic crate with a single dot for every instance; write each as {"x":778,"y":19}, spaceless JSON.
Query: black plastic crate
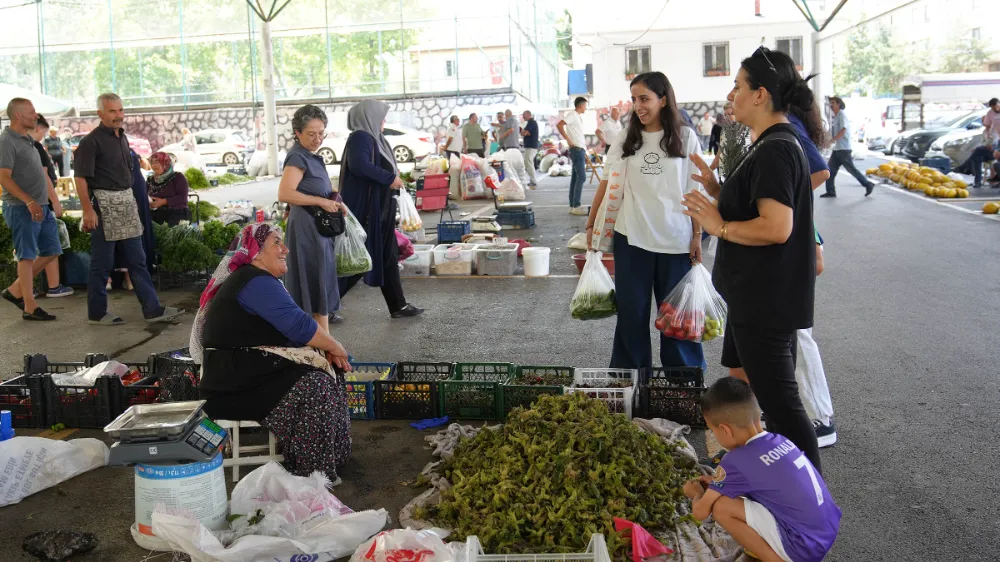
{"x":470,"y":399}
{"x":484,"y":372}
{"x":407,"y":396}
{"x":177,"y":361}
{"x":516,"y":220}
{"x":681,"y":404}
{"x":173,"y":385}
{"x":424,"y":371}
{"x":87,"y":407}
{"x":692,"y":377}
{"x":24,"y":397}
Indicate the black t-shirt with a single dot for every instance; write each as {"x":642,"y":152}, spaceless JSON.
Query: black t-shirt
{"x":50,"y":168}
{"x":771,"y":285}
{"x":104,"y":160}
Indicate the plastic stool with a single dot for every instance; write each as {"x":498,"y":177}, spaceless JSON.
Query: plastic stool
{"x":237,"y":460}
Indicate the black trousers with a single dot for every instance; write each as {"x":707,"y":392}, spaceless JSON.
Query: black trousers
{"x":392,"y":285}
{"x":58,"y":161}
{"x":768,"y":357}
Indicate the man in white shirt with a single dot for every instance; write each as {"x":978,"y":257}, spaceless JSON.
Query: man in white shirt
{"x":453,"y":144}
{"x":571,"y":128}
{"x":609,"y":129}
{"x":705,"y":130}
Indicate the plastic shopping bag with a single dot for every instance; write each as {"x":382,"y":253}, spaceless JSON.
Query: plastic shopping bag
{"x":32,"y":464}
{"x":693,"y":310}
{"x":352,"y":256}
{"x":604,"y":226}
{"x":644,"y":545}
{"x":472,"y":178}
{"x":404,"y":244}
{"x":594,"y":297}
{"x":407,"y":545}
{"x":63,"y":234}
{"x":511,"y":188}
{"x":515,"y":164}
{"x":408,"y":216}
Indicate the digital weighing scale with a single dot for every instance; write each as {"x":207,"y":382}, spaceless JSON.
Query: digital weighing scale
{"x":173,"y":432}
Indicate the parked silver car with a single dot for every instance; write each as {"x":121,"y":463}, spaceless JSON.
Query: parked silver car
{"x":957,"y":145}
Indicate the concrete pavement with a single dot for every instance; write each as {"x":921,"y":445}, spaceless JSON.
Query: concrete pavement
{"x":905,"y":319}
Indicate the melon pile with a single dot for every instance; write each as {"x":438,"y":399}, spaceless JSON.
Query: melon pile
{"x":921,"y":178}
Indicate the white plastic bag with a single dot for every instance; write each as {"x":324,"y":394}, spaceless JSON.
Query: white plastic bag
{"x":63,"y":234}
{"x":407,"y":545}
{"x":511,"y":188}
{"x":713,"y":246}
{"x":32,"y":464}
{"x":515,"y":164}
{"x":352,"y":256}
{"x":472,"y":178}
{"x":409,"y":218}
{"x":578,"y":242}
{"x":694,"y":310}
{"x":299,"y":519}
{"x":594,"y":297}
{"x":88,"y":376}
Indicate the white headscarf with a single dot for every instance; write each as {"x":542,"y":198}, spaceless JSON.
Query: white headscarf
{"x":368,"y":116}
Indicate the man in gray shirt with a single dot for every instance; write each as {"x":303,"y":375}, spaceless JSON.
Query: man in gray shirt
{"x":510,"y":131}
{"x":26,"y":209}
{"x":841,"y":156}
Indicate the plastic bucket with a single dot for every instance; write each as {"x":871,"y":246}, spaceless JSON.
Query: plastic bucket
{"x":536,"y":261}
{"x":199,"y":488}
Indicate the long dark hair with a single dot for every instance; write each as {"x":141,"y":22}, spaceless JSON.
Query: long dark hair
{"x":670,"y":118}
{"x":775,"y":71}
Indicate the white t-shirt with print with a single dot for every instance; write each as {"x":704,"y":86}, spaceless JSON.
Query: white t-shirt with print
{"x":651,"y":215}
{"x":574,"y":129}
{"x":455,"y":133}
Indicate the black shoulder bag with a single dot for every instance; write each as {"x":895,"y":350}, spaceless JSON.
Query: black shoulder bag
{"x":328,"y":224}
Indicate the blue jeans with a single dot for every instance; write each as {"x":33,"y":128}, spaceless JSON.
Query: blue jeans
{"x":31,"y":239}
{"x":579,"y":159}
{"x":979,"y":155}
{"x":102,"y":260}
{"x":639,"y":275}
{"x":843,"y":158}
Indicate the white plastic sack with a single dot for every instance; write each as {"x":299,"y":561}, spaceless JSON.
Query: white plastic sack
{"x":400,"y":545}
{"x":87,"y":377}
{"x":301,"y":520}
{"x":578,"y":242}
{"x":32,"y":464}
{"x":547,"y":162}
{"x":515,"y":164}
{"x":257,"y":166}
{"x":511,"y":188}
{"x":472,"y":178}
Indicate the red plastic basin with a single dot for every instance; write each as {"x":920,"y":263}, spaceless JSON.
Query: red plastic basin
{"x":608,"y":260}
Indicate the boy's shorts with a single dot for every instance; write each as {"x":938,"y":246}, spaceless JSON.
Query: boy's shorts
{"x":762,"y":522}
{"x":32,"y":239}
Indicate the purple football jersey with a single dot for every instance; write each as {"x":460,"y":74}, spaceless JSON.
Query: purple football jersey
{"x":773,"y":472}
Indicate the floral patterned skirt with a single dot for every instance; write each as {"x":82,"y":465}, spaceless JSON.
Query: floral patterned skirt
{"x":313,"y":424}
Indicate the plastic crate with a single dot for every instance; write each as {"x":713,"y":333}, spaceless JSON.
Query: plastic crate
{"x":614,"y":387}
{"x":453,"y":231}
{"x":175,"y":383}
{"x":516,"y":220}
{"x":413,"y":392}
{"x":692,"y":377}
{"x":496,"y":259}
{"x":518,"y":393}
{"x":454,"y":259}
{"x":939,"y":163}
{"x":360,"y":387}
{"x":469,"y":399}
{"x":173,"y":362}
{"x":419,"y":264}
{"x":678,"y":403}
{"x":24,"y":397}
{"x":483,"y":372}
{"x":597,"y":551}
{"x":89,"y":407}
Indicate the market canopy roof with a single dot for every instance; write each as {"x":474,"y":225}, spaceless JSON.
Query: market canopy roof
{"x":46,"y":105}
{"x":815,"y":11}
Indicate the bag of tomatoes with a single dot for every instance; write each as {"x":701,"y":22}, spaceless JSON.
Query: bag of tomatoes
{"x":694,"y":310}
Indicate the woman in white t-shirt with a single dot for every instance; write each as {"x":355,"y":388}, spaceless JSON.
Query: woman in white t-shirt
{"x":655,"y":243}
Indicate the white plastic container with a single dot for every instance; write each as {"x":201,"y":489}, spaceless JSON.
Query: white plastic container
{"x":419,"y":264}
{"x":536,"y":261}
{"x":614,"y":387}
{"x":597,"y":551}
{"x":454,"y":259}
{"x":496,"y":259}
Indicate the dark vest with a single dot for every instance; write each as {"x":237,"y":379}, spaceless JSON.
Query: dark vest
{"x":240,"y":383}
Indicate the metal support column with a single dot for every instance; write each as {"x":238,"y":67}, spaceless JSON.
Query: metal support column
{"x":270,"y":109}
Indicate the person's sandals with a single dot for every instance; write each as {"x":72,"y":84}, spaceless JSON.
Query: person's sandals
{"x":19,"y":303}
{"x":38,"y":315}
{"x":108,"y":320}
{"x":169,"y":313}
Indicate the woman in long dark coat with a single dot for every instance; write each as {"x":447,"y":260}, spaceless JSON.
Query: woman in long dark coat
{"x":369,"y":180}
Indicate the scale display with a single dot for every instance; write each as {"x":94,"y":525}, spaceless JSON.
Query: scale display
{"x":168,"y":433}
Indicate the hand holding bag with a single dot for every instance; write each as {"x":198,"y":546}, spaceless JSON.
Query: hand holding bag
{"x":328,"y":224}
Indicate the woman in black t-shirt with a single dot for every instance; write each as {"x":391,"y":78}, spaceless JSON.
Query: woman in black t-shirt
{"x":765,"y":266}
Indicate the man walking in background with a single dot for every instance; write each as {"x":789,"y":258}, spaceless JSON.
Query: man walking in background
{"x":610,"y":129}
{"x":530,"y":134}
{"x":104,"y":174}
{"x":55,"y":288}
{"x":571,"y":128}
{"x":705,"y":130}
{"x":453,"y":138}
{"x":841,"y":135}
{"x":472,"y":137}
{"x":54,"y":146}
{"x":26,"y":210}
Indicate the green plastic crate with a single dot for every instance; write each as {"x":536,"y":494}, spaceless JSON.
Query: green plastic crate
{"x":484,"y":372}
{"x":517,"y":392}
{"x":469,"y":399}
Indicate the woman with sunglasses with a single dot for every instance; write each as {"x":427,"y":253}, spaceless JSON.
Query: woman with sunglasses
{"x":765,"y":266}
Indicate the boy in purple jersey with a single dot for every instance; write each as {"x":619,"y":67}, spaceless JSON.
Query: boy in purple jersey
{"x":765,"y":493}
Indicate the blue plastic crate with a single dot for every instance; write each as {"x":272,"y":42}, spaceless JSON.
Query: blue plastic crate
{"x":516,"y":220}
{"x":453,"y":231}
{"x":361,"y":393}
{"x":939,"y":163}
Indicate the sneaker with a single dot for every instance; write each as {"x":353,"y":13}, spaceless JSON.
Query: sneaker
{"x":19,"y":303}
{"x":828,"y":194}
{"x":60,"y":291}
{"x":579,"y":211}
{"x":336,"y":318}
{"x":169,"y":313}
{"x":108,"y":320}
{"x":826,"y":434}
{"x":38,"y":315}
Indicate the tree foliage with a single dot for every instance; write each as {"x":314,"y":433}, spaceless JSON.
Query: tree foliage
{"x":564,"y":31}
{"x":965,"y":53}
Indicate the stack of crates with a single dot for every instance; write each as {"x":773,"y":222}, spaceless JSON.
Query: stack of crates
{"x":614,"y":387}
{"x":360,"y":387}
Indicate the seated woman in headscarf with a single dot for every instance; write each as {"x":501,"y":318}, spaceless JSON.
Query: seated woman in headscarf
{"x":369,"y":180}
{"x":264,"y":359}
{"x":168,"y":191}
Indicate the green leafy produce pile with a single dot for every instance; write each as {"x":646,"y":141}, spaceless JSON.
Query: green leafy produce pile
{"x":79,"y":241}
{"x":218,"y":236}
{"x":555,"y":474}
{"x":230,"y":178}
{"x":196,"y":178}
{"x":6,"y":244}
{"x":203,"y":210}
{"x":593,"y":306}
{"x":183,"y":249}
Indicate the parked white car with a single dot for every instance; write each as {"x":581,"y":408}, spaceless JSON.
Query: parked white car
{"x":407,"y":144}
{"x":216,"y":146}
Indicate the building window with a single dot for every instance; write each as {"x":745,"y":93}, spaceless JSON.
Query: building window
{"x":976,"y":34}
{"x":636,"y":61}
{"x":716,"y":59}
{"x":449,"y":68}
{"x":791,"y":46}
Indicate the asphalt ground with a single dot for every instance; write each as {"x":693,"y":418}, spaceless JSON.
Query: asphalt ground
{"x":906,"y":320}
